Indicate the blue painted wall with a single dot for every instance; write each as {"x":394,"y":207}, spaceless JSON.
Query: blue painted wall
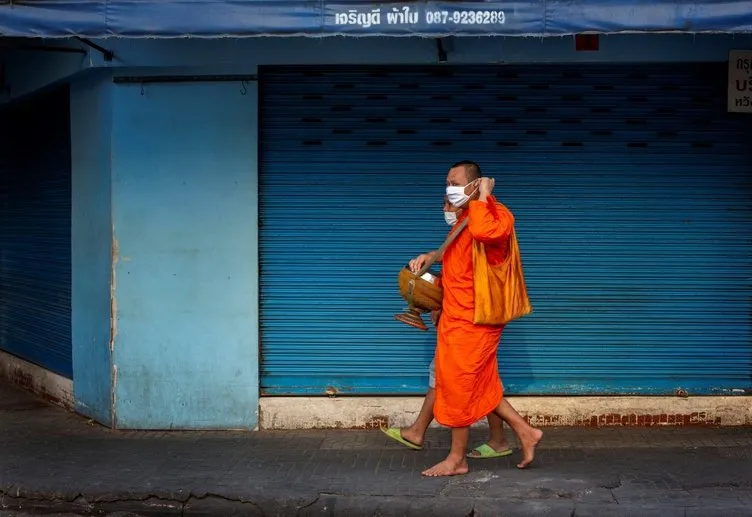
{"x":28,"y":70}
{"x":174,"y":171}
{"x":184,"y":164}
{"x":91,"y":246}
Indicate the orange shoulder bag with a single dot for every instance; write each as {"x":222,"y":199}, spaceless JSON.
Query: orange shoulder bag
{"x":500,"y":292}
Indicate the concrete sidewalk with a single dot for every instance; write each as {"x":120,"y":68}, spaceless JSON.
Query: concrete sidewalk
{"x":54,"y":462}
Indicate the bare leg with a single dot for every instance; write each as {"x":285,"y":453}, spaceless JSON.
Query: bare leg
{"x":496,"y":430}
{"x":496,"y":440}
{"x":455,"y":464}
{"x":416,"y":433}
{"x":527,"y":435}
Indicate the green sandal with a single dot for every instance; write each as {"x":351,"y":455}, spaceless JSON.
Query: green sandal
{"x":485,"y":451}
{"x":394,"y":434}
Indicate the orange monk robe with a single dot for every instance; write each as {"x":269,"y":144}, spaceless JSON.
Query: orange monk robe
{"x":468,"y":386}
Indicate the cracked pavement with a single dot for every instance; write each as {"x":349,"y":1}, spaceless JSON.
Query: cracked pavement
{"x":56,"y":463}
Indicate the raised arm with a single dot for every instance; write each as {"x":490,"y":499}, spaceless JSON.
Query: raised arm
{"x":489,"y":221}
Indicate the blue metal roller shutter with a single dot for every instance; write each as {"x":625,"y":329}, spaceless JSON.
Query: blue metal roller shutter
{"x":632,"y":191}
{"x":35,"y":230}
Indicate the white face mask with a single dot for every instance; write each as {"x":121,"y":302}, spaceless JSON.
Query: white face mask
{"x":450,"y":218}
{"x":457,"y":196}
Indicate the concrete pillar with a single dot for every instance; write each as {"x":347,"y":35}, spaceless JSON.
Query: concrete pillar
{"x":184,"y":213}
{"x":91,"y":246}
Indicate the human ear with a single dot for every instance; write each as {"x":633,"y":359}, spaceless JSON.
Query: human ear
{"x":472,"y":187}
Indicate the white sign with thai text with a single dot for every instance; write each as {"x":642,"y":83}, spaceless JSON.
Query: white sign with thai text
{"x":420,"y":16}
{"x":740,"y":81}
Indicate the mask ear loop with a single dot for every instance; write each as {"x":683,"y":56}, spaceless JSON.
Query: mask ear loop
{"x":470,"y":196}
{"x":477,"y":187}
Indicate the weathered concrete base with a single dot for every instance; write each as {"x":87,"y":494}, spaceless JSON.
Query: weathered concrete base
{"x":368,"y":412}
{"x":48,"y":385}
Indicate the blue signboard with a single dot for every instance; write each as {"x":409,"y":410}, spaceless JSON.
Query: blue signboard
{"x":241,"y":18}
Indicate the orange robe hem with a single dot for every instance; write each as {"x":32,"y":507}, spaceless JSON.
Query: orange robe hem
{"x":468,"y":385}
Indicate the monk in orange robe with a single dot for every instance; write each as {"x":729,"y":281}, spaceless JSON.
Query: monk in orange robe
{"x":468,"y":386}
{"x":415,"y":435}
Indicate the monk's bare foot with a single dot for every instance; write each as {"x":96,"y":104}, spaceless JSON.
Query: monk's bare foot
{"x":448,"y":467}
{"x":528,"y":442}
{"x":496,"y":446}
{"x":412,"y":436}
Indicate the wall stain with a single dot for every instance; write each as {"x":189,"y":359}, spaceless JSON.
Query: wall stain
{"x":113,"y":327}
{"x":25,"y":380}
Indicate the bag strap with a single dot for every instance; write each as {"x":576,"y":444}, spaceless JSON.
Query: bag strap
{"x":450,"y":238}
{"x":512,"y":247}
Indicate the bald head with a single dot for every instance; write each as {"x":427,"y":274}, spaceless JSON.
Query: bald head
{"x":471,"y":170}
